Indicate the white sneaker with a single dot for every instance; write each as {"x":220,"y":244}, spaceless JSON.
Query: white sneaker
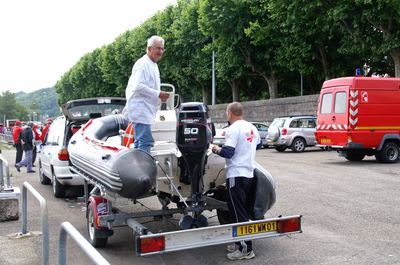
{"x":237,"y":255}
{"x":231,"y":247}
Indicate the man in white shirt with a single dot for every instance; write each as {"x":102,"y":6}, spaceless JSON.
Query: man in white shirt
{"x":242,"y":140}
{"x":143,"y":93}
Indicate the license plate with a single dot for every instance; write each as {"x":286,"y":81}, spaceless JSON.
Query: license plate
{"x":244,"y":230}
{"x":325,"y":141}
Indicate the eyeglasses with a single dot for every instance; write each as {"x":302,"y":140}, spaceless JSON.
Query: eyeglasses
{"x":158,"y":48}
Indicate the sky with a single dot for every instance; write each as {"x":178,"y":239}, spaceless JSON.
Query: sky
{"x":40,"y":40}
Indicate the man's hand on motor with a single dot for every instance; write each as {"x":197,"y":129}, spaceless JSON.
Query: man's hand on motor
{"x":163,"y":96}
{"x":216,"y":149}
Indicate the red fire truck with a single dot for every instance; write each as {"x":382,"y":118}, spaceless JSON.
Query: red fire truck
{"x":360,"y":116}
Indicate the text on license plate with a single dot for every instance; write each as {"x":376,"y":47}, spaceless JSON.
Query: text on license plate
{"x":325,"y":141}
{"x":243,"y":230}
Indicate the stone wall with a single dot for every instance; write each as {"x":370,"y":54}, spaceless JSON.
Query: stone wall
{"x":267,"y":110}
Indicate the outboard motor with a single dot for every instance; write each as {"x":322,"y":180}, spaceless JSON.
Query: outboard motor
{"x":193,"y":137}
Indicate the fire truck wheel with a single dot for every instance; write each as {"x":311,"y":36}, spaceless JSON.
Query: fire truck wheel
{"x":354,"y":156}
{"x":298,"y":145}
{"x":94,"y":238}
{"x":389,"y":153}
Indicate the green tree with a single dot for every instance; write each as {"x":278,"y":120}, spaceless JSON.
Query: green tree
{"x":372,"y":29}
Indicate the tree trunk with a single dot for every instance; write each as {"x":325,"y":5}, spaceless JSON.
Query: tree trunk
{"x":396,"y":58}
{"x":324,"y":62}
{"x":272,"y":86}
{"x":204,"y":90}
{"x":235,"y":89}
{"x":272,"y":82}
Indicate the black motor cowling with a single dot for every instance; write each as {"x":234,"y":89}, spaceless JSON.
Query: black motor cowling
{"x":193,"y":137}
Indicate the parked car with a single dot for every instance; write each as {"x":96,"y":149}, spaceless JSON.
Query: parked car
{"x":295,"y":132}
{"x":219,"y":138}
{"x":53,"y":155}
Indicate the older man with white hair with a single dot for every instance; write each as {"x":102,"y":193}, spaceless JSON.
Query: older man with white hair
{"x":143,"y":93}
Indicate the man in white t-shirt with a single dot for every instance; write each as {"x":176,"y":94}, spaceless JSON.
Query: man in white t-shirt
{"x":242,"y":140}
{"x":143,"y":93}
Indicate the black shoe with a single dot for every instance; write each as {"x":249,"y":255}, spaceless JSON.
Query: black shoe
{"x":33,"y":166}
{"x":18,"y":168}
{"x":30,"y":171}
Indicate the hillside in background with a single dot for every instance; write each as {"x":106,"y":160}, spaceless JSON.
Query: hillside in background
{"x":42,"y":103}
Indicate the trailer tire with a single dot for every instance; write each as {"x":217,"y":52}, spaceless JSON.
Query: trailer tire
{"x":95,"y":237}
{"x":389,"y":153}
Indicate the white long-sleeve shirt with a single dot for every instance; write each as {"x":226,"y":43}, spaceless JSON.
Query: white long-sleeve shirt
{"x":142,"y":91}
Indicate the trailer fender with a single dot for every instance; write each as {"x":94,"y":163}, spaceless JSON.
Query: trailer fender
{"x":100,"y":207}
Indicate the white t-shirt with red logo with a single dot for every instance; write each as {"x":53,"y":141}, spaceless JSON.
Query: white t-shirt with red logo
{"x":244,"y":137}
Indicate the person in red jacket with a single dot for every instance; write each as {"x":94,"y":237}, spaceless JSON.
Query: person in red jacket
{"x":16,"y":132}
{"x":45,"y":129}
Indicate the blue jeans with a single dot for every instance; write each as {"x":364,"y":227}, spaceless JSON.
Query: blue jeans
{"x":27,"y":161}
{"x":143,"y":137}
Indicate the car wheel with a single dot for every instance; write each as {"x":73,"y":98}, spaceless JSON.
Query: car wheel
{"x":93,"y":232}
{"x":42,"y":177}
{"x":298,"y":145}
{"x":354,"y":156}
{"x":58,"y":188}
{"x":280,"y":148}
{"x":389,"y":153}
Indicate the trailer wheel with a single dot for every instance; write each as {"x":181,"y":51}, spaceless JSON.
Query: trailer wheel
{"x":94,"y":232}
{"x":354,"y":156}
{"x":223,"y":216}
{"x":389,"y":153}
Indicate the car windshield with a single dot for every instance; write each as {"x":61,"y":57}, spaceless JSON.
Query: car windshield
{"x":278,"y":122}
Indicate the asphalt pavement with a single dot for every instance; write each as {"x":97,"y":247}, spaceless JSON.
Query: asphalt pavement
{"x":350,"y":216}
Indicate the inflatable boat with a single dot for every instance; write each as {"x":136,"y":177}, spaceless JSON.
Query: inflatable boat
{"x":180,"y":168}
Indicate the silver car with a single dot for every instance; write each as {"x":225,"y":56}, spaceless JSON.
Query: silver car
{"x":219,"y":138}
{"x":295,"y":132}
{"x":54,"y":164}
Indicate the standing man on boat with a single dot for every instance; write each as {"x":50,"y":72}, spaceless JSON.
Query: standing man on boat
{"x":143,"y":93}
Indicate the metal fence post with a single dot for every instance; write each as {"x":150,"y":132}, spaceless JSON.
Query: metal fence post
{"x":4,"y":165}
{"x":88,"y":249}
{"x":1,"y":173}
{"x":44,"y":215}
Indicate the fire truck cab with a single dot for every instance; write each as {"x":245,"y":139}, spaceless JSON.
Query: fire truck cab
{"x":360,"y":116}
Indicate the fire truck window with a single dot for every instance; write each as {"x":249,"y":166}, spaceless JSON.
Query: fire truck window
{"x":340,"y":102}
{"x":326,"y":105}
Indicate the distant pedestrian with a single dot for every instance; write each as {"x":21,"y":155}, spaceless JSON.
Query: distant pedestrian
{"x":45,"y":130}
{"x":27,"y":145}
{"x":36,"y":137}
{"x":16,"y":132}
